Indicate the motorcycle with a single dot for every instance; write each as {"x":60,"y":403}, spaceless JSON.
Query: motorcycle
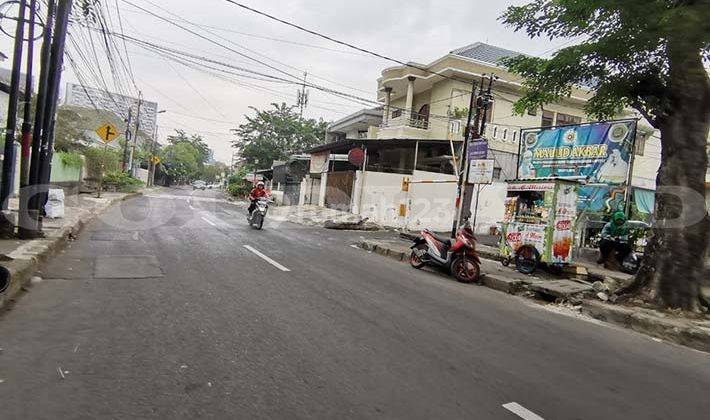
{"x":257,"y":216}
{"x":459,"y":256}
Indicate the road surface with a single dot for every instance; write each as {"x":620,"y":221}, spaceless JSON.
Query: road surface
{"x":170,"y":306}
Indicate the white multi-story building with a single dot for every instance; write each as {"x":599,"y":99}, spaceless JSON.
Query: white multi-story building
{"x":89,"y":97}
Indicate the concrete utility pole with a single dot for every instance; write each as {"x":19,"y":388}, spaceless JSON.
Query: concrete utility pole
{"x":463,"y":173}
{"x":135,"y":137}
{"x":127,"y":135}
{"x":8,"y":163}
{"x":27,"y":229}
{"x":35,"y":212}
{"x":302,"y":97}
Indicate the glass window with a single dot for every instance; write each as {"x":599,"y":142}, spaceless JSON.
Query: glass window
{"x":548,"y":117}
{"x":565,"y":119}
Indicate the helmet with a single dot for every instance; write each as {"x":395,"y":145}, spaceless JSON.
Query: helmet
{"x":260,"y":184}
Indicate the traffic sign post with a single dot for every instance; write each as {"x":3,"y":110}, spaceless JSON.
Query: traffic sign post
{"x":108,"y":133}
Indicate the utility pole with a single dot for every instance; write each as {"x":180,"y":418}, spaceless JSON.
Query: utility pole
{"x":302,"y":97}
{"x":127,"y":135}
{"x":55,"y":75}
{"x":135,"y":137}
{"x":27,"y":228}
{"x":8,"y":163}
{"x":35,"y":163}
{"x":463,"y":173}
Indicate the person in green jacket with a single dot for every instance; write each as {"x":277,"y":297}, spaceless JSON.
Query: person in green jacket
{"x":615,"y":238}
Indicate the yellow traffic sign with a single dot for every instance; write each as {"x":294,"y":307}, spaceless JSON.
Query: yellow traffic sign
{"x":108,"y":132}
{"x":155,"y":160}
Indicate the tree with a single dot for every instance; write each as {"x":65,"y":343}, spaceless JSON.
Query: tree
{"x":648,"y":55}
{"x":275,"y":134}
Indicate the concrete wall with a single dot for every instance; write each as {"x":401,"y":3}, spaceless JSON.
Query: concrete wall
{"x":378,"y":196}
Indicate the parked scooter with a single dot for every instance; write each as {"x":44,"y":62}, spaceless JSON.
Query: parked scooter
{"x":459,"y":256}
{"x":257,"y":216}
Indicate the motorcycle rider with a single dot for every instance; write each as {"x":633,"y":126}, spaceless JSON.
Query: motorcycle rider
{"x":615,"y":239}
{"x":258,"y":192}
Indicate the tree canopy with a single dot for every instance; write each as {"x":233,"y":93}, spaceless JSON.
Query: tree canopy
{"x":275,"y":134}
{"x":185,"y":157}
{"x":649,"y":55}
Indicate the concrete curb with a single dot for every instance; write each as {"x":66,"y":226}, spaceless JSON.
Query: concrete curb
{"x":671,"y":330}
{"x":22,"y":270}
{"x":667,"y":329}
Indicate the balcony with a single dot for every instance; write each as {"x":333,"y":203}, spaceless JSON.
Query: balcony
{"x":401,"y":125}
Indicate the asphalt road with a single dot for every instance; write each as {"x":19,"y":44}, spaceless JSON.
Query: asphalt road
{"x":172,"y":307}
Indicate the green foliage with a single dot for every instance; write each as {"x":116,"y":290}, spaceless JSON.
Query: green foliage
{"x":71,"y":159}
{"x":68,"y":131}
{"x":210,"y":173}
{"x":625,"y":56}
{"x":122,"y":182}
{"x":275,"y":134}
{"x":459,"y":113}
{"x":98,"y":156}
{"x":236,"y":185}
{"x":184,"y":158}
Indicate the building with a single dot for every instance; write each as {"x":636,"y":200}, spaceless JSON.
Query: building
{"x":88,"y":97}
{"x":421,"y":129}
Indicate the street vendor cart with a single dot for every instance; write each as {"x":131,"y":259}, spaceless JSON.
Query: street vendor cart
{"x":539,"y":223}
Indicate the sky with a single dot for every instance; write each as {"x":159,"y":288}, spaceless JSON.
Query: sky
{"x":198,"y":102}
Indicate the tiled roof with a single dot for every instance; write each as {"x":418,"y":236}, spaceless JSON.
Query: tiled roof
{"x":485,"y":53}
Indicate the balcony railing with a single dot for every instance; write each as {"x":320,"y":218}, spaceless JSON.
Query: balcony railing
{"x":415,"y":121}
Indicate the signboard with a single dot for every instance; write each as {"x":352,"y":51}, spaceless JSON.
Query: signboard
{"x":356,"y":157}
{"x":477,"y":149}
{"x":107,"y":132}
{"x":519,"y":234}
{"x":565,"y":215}
{"x":319,"y":162}
{"x":480,"y":171}
{"x":532,"y":186}
{"x":600,"y":153}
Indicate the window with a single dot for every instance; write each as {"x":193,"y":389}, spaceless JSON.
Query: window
{"x":396,"y":113}
{"x":515,"y":136}
{"x":565,"y":119}
{"x":362,"y":134}
{"x":505,"y":134}
{"x":496,"y":173}
{"x":495,"y":132}
{"x":547,"y":118}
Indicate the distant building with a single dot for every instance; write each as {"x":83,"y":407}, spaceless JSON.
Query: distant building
{"x":88,"y":97}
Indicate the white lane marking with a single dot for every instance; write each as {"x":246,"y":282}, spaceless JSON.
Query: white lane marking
{"x":521,"y":411}
{"x":354,"y":246}
{"x":209,"y":221}
{"x":266,"y":258}
{"x":189,"y":204}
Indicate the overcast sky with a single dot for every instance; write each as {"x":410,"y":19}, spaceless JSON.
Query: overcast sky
{"x":417,"y":30}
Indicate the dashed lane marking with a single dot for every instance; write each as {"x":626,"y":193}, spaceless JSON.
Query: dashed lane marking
{"x":521,"y":411}
{"x":266,"y":258}
{"x":209,"y":221}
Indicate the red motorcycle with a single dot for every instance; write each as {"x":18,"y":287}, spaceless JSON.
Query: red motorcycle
{"x":459,"y":256}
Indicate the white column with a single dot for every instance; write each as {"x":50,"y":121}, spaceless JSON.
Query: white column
{"x":388,"y":100}
{"x":410,"y":97}
{"x":323,"y":184}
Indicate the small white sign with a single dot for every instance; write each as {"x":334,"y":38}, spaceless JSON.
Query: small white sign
{"x":480,"y":171}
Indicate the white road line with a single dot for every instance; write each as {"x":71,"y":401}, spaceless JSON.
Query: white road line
{"x":209,"y":221}
{"x":266,"y":258}
{"x":521,"y":411}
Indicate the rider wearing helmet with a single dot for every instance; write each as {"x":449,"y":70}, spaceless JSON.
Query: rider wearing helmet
{"x":258,"y":192}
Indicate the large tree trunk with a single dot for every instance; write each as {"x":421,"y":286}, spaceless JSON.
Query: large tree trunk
{"x":675,"y":257}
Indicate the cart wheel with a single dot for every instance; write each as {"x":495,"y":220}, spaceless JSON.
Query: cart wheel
{"x":527,"y":259}
{"x":505,"y":261}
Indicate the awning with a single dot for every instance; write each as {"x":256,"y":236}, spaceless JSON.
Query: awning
{"x":645,"y":200}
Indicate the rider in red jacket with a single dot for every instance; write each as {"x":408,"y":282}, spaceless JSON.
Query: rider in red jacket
{"x":256,"y":194}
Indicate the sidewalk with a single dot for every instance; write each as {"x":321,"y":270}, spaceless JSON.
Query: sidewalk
{"x":22,"y":257}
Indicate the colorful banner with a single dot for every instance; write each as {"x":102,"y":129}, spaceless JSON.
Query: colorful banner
{"x":598,"y":153}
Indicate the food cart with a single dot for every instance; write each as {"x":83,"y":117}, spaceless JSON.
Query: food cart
{"x":539,"y":223}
